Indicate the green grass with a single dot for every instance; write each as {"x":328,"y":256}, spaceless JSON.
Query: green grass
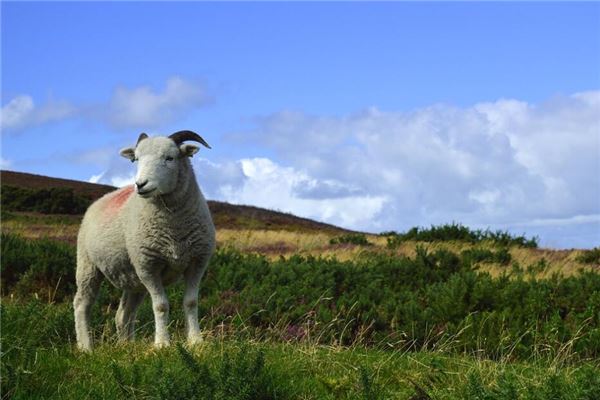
{"x":436,"y":299}
{"x":381,"y":326}
{"x":39,"y":361}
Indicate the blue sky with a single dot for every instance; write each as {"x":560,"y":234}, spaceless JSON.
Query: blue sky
{"x":374,"y":116}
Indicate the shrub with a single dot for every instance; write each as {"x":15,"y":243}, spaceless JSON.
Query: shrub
{"x":47,"y":201}
{"x":351,"y":238}
{"x":42,"y":266}
{"x":590,"y":256}
{"x":477,"y":255}
{"x":458,"y":232}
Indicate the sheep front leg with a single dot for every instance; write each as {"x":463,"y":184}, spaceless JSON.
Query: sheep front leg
{"x":192,"y":276}
{"x":160,"y":306}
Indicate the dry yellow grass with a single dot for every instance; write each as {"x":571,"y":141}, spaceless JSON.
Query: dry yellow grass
{"x":63,"y":232}
{"x":276,"y":243}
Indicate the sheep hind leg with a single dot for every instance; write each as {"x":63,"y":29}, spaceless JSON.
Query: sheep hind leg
{"x":134,"y":301}
{"x":88,"y":279}
{"x":126,"y":313}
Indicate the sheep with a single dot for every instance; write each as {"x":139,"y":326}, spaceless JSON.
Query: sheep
{"x":146,"y":236}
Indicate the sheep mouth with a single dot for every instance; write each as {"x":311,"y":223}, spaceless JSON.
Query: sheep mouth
{"x":146,"y":192}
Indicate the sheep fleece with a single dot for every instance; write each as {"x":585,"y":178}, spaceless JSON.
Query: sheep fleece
{"x":124,"y":235}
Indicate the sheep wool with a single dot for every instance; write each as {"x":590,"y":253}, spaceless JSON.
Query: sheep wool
{"x":144,"y":237}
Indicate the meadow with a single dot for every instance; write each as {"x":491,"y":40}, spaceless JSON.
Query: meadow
{"x":432,"y":325}
{"x":293,"y":309}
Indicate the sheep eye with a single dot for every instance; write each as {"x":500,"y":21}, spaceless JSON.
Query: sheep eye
{"x":169,"y":158}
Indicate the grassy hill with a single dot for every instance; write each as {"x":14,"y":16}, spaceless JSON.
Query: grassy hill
{"x":225,"y":215}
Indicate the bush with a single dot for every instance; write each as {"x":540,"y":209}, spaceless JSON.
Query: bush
{"x":47,"y":201}
{"x":458,"y":232}
{"x":358,"y":239}
{"x":41,"y":266}
{"x":475,"y":255}
{"x":590,"y":256}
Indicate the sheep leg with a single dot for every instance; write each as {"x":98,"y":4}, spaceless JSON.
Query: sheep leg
{"x":88,"y":279}
{"x":125,"y":318}
{"x":193,"y":276}
{"x":160,"y":306}
{"x":134,"y":301}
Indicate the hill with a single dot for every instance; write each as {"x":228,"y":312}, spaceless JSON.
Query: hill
{"x":257,"y":230}
{"x":225,"y":215}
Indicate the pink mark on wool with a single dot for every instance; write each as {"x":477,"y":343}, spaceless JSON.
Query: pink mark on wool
{"x":118,"y":199}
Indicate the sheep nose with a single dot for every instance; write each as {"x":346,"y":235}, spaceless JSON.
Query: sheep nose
{"x":141,"y":184}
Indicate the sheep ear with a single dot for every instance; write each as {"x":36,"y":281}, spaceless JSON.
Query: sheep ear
{"x":188,"y":150}
{"x":128,"y":152}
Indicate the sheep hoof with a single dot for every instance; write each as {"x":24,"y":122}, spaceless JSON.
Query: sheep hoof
{"x":195,"y":340}
{"x":84,"y":349}
{"x":161,"y":344}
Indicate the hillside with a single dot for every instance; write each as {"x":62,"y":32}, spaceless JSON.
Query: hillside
{"x":256,"y":230}
{"x":225,"y":215}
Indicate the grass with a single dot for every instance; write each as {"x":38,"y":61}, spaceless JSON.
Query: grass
{"x":274,"y":243}
{"x":435,"y":299}
{"x":39,"y":361}
{"x":272,"y":331}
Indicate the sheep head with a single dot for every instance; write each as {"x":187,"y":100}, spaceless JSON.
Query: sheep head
{"x":160,"y":159}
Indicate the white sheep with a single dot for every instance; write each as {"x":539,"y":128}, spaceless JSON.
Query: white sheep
{"x":145,"y":236}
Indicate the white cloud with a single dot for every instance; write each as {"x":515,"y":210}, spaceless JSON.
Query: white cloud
{"x":142,"y":107}
{"x":116,"y":171}
{"x":96,"y":178}
{"x":137,"y":107}
{"x":503,"y":163}
{"x":265,"y":183}
{"x":113,"y":179}
{"x":21,"y":112}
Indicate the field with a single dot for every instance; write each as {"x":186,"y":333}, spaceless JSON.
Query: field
{"x":293,"y":309}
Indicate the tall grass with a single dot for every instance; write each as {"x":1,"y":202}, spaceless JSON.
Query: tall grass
{"x":427,"y":327}
{"x":436,"y":299}
{"x":39,"y":361}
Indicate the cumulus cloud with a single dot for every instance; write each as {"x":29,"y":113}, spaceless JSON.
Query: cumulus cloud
{"x":21,"y":112}
{"x":138,"y":107}
{"x":506,"y":163}
{"x":142,"y":107}
{"x":263,"y":182}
